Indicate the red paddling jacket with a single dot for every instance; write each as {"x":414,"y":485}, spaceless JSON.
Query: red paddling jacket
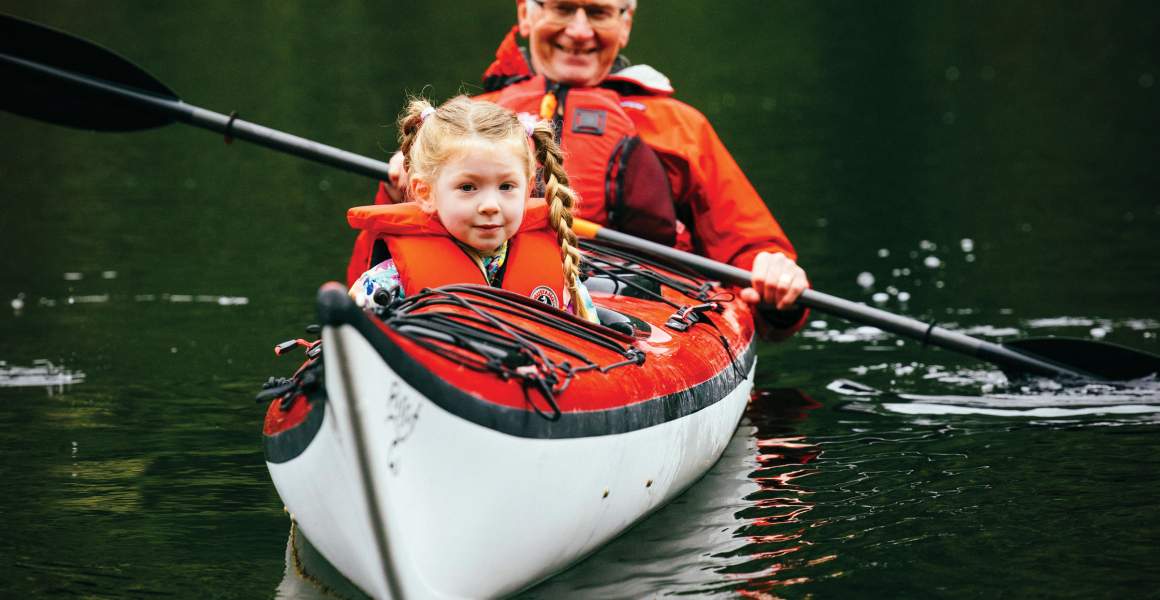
{"x":427,"y":256}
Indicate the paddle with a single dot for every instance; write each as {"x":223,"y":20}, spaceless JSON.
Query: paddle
{"x":1044,"y":356}
{"x":59,"y":78}
{"x":55,"y":77}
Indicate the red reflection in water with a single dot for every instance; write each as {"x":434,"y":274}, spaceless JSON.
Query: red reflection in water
{"x":775,"y":523}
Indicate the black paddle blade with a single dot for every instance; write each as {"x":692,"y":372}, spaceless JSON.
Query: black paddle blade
{"x":34,"y":94}
{"x":1108,"y":361}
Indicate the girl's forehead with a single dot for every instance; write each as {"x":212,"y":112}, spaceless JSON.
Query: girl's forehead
{"x":481,"y":154}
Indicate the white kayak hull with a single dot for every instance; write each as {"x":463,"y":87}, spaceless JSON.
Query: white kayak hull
{"x":407,"y":499}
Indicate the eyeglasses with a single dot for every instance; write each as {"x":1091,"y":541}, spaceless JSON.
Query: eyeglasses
{"x":600,"y":16}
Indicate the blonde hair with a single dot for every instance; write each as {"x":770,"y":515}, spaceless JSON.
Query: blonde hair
{"x":427,"y":143}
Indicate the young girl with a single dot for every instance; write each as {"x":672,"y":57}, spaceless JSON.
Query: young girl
{"x":471,"y":167}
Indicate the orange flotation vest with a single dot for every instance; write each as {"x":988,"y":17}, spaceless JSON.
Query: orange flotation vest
{"x":427,"y":256}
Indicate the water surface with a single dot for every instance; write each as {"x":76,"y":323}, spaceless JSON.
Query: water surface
{"x":988,"y":166}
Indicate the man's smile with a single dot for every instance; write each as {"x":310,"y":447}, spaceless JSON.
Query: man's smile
{"x":575,"y":51}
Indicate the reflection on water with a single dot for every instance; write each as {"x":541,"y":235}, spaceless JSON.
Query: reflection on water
{"x":42,"y":373}
{"x":743,"y":528}
{"x":986,"y":390}
{"x":911,"y":375}
{"x":942,"y":408}
{"x":1131,"y":402}
{"x":820,"y":331}
{"x":75,"y":296}
{"x":18,"y":303}
{"x":309,"y":576}
{"x":777,"y":547}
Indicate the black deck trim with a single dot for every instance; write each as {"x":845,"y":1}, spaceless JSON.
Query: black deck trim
{"x":336,"y":308}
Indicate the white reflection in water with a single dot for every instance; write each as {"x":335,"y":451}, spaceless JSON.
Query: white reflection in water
{"x":920,"y":408}
{"x":89,"y":299}
{"x":821,"y":333}
{"x":1061,"y":322}
{"x":1039,"y":398}
{"x":990,"y":331}
{"x":19,"y":303}
{"x":42,"y":373}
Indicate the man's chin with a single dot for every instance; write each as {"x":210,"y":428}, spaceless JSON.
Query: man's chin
{"x":572,"y":71}
{"x":576,"y":77}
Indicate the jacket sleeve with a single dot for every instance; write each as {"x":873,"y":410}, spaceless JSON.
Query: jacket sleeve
{"x":728,"y":220}
{"x":384,"y":275}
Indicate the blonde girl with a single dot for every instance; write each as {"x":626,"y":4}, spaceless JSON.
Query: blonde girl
{"x":472,"y":165}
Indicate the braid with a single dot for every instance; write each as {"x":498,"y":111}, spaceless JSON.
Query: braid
{"x":409,"y":122}
{"x":561,"y":200}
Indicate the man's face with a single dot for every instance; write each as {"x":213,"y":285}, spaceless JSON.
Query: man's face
{"x":575,"y":51}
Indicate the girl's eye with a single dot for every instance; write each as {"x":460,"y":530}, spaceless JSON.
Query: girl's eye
{"x":466,"y":187}
{"x":507,"y":187}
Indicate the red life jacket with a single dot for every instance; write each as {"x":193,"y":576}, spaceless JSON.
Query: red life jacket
{"x":427,"y":256}
{"x":620,"y":180}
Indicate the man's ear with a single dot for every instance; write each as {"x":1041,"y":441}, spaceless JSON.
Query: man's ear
{"x":421,"y":194}
{"x":522,"y":18}
{"x":627,"y":29}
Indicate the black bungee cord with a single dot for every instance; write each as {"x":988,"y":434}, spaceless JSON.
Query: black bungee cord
{"x":481,"y":341}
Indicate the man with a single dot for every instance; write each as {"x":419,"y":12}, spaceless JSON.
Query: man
{"x":643,"y":162}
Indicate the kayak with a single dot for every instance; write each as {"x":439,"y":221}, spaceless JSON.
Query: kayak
{"x":470,"y":442}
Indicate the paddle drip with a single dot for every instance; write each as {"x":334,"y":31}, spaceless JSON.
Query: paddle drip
{"x":462,"y":323}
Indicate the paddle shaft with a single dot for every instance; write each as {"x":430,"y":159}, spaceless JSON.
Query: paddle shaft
{"x":214,"y":121}
{"x":927,"y":333}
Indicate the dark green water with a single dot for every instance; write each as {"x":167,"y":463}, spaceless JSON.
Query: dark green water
{"x":881,"y":134}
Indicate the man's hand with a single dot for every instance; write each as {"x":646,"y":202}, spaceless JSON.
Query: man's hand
{"x":777,"y":281}
{"x":396,"y":183}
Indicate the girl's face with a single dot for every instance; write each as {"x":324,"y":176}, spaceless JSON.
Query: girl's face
{"x":479,"y":194}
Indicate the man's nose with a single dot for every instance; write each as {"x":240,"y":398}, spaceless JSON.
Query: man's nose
{"x":579,"y":27}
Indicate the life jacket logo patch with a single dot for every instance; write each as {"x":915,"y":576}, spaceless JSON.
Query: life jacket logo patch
{"x":545,"y":295}
{"x":589,"y":120}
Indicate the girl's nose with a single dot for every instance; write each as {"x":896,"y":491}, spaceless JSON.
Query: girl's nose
{"x":488,"y":205}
